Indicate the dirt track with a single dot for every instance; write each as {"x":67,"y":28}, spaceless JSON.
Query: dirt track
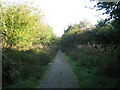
{"x":59,"y":75}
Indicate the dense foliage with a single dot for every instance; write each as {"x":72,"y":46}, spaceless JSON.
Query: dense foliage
{"x":94,"y":53}
{"x":93,"y":50}
{"x":26,"y":51}
{"x":96,"y":50}
{"x":22,"y":26}
{"x":102,"y":35}
{"x":111,"y":8}
{"x":19,"y":66}
{"x":113,"y":35}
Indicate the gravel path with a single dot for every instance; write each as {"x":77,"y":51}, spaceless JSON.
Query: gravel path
{"x":59,"y":75}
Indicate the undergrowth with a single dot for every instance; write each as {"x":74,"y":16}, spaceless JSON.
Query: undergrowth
{"x":24,"y":69}
{"x":93,"y":68}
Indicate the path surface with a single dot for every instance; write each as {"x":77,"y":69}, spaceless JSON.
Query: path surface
{"x":59,"y":75}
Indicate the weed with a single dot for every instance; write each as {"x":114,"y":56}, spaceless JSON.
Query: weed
{"x":20,"y":66}
{"x":93,"y":70}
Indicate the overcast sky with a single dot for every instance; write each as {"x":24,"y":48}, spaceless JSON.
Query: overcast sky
{"x":61,"y":13}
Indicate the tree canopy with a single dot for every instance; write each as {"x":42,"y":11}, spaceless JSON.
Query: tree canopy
{"x":22,"y":26}
{"x":113,"y":9}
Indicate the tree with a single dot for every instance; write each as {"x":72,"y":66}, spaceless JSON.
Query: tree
{"x":45,"y":35}
{"x":22,"y":26}
{"x":19,"y":25}
{"x":78,"y":27}
{"x":113,"y":9}
{"x":84,"y":24}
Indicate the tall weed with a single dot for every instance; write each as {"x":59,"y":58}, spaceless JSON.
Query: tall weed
{"x":94,"y":69}
{"x":22,"y":65}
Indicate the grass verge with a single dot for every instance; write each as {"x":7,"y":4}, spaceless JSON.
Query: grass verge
{"x":32,"y":82}
{"x":24,"y":69}
{"x":93,"y":71}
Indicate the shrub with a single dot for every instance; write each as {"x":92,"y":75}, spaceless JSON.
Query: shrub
{"x":22,"y":65}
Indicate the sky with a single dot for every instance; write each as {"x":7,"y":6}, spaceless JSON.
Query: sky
{"x":61,"y":13}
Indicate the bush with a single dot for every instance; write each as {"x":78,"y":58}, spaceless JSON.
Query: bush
{"x":15,"y":22}
{"x":94,"y":70}
{"x":22,"y":65}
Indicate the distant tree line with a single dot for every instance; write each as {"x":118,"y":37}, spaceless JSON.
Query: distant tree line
{"x":105,"y":34}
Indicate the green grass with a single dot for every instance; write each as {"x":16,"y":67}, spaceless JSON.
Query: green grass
{"x":32,"y":82}
{"x":29,"y":83}
{"x":24,"y":69}
{"x":91,"y":70}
